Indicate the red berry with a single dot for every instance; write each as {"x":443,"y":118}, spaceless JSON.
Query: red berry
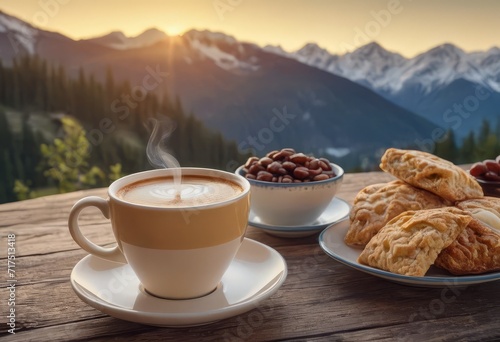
{"x":478,"y":169}
{"x":492,"y":166}
{"x":491,"y":176}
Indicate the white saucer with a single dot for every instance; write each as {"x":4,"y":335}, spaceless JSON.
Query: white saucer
{"x":337,"y":210}
{"x":256,"y":273}
{"x":331,"y":241}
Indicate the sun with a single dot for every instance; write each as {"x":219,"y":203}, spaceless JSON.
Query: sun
{"x":173,"y":30}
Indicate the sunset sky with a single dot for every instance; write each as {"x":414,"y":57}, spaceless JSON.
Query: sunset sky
{"x":406,"y":26}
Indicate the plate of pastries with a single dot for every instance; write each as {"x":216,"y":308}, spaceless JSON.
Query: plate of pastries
{"x":431,"y":226}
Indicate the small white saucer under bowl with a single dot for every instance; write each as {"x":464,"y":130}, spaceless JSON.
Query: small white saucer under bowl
{"x":331,"y":241}
{"x":256,"y":273}
{"x":337,"y":210}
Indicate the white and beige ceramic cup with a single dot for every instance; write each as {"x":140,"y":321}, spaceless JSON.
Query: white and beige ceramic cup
{"x":177,"y":252}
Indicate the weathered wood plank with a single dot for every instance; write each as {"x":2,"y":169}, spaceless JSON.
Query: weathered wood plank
{"x":321,"y":300}
{"x":318,"y":296}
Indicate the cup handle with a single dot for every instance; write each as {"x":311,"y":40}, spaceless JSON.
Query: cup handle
{"x":112,"y":254}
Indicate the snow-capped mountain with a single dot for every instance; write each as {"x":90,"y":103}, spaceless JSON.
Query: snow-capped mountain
{"x":370,"y":65}
{"x":20,"y":35}
{"x":438,"y":67}
{"x":242,"y":91}
{"x":224,"y":50}
{"x":432,"y":84}
{"x":118,"y":40}
{"x":389,"y":73}
{"x":222,"y":79}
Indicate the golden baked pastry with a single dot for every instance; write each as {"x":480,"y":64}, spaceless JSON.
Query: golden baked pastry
{"x":377,"y":204}
{"x":429,"y":172}
{"x":485,"y":209}
{"x":410,"y":243}
{"x":476,"y":250}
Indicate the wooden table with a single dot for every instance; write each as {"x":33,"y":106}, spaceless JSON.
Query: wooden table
{"x":321,"y":299}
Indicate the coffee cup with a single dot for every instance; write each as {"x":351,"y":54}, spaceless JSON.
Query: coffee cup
{"x":179,"y":239}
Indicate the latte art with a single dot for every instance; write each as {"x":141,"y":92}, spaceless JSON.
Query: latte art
{"x":181,"y":191}
{"x":193,"y":190}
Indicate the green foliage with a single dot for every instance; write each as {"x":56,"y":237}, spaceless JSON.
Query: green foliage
{"x":468,"y":152}
{"x":105,"y":136}
{"x":488,"y":141}
{"x":102,"y":130}
{"x":473,"y":148}
{"x":447,"y":148}
{"x":66,"y":160}
{"x":115,"y":172}
{"x":22,"y":191}
{"x":9,"y":161}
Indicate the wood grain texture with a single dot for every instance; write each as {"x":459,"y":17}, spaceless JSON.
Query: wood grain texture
{"x":321,"y":300}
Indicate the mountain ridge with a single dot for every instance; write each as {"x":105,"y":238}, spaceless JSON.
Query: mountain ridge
{"x":118,"y":40}
{"x":429,"y":84}
{"x":465,"y":66}
{"x":261,"y":100}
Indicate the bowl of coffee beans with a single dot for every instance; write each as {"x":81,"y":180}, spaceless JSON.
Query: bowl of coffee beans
{"x":289,"y":188}
{"x":487,"y":174}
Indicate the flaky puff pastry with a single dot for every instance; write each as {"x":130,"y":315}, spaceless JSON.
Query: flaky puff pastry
{"x":476,"y":250}
{"x":410,"y":243}
{"x":429,"y":172}
{"x":486,"y":210}
{"x":377,"y":204}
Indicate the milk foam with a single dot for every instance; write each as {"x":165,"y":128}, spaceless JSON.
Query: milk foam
{"x":194,"y":190}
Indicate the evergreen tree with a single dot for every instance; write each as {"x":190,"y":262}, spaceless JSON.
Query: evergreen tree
{"x":3,"y":84}
{"x":468,"y":152}
{"x":447,"y":148}
{"x":66,"y":159}
{"x":109,"y":85}
{"x":31,"y":85}
{"x":7,"y":168}
{"x":488,"y":142}
{"x":29,"y":153}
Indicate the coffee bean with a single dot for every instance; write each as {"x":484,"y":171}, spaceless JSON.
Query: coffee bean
{"x":282,"y":171}
{"x":314,"y":164}
{"x":271,"y":154}
{"x":324,"y":166}
{"x":265,"y":161}
{"x":274,"y":167}
{"x":298,"y":158}
{"x":328,"y":167}
{"x":321,"y":177}
{"x":287,"y":166}
{"x":255,"y":168}
{"x":314,"y":173}
{"x":265,"y":176}
{"x":301,"y":172}
{"x":282,"y":155}
{"x":251,"y":161}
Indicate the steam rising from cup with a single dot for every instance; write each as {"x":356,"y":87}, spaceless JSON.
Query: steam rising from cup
{"x":157,"y":153}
